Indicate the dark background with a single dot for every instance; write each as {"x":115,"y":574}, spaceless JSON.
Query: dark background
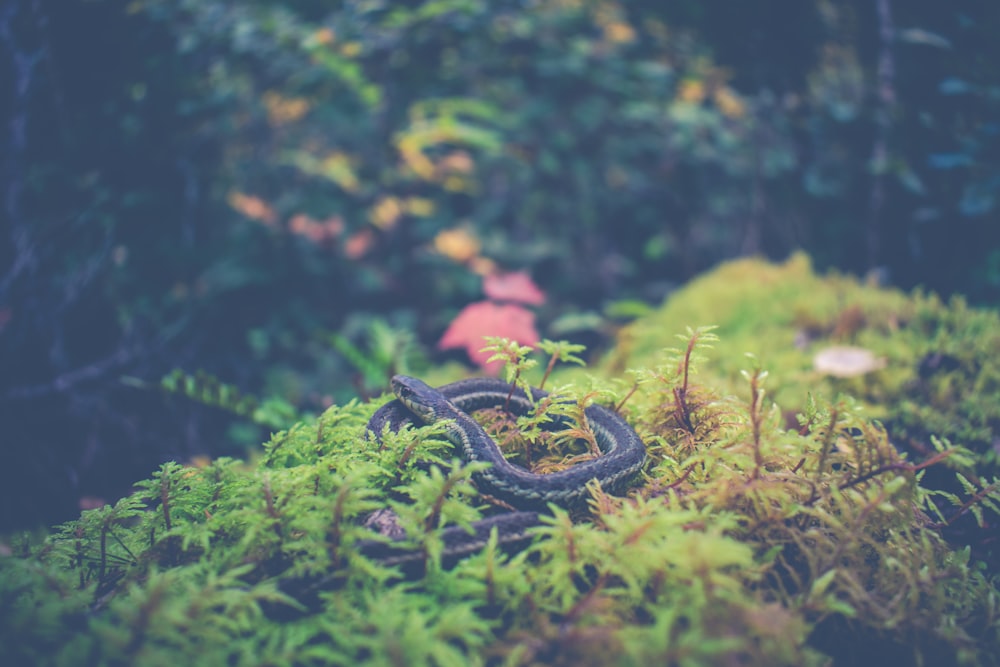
{"x":216,"y":217}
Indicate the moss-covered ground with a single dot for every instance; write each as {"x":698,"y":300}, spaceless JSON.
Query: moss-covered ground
{"x":786,"y":517}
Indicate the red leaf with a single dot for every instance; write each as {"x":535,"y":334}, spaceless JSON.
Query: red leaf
{"x":485,"y":318}
{"x":516,"y":286}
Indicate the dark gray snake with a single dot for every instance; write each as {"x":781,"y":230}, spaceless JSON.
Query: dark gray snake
{"x":622,"y":456}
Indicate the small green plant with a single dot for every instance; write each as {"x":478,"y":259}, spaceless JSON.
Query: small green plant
{"x":387,"y":351}
{"x":528,"y":433}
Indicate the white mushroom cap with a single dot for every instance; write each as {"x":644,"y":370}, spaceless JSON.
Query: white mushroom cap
{"x":844,"y":361}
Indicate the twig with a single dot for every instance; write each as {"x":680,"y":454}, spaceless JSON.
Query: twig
{"x":621,"y":403}
{"x":68,"y":380}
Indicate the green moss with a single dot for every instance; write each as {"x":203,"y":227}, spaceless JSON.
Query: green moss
{"x":760,"y":535}
{"x":942,"y":360}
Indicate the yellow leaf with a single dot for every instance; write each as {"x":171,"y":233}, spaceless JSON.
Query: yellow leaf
{"x":619,"y":33}
{"x":282,"y":110}
{"x":458,"y":184}
{"x":415,"y":159}
{"x":335,"y":166}
{"x":692,"y":91}
{"x":385,"y":213}
{"x":338,"y":167}
{"x":458,"y":244}
{"x":419,"y":206}
{"x":729,"y":102}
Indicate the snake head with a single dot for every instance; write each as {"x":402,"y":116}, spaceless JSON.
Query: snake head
{"x":414,"y":393}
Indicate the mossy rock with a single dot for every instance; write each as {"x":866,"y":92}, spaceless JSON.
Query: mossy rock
{"x":749,"y":540}
{"x":940,"y":361}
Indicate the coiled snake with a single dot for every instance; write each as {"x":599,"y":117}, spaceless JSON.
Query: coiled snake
{"x":622,"y":457}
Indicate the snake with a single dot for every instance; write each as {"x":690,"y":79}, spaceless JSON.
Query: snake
{"x":623,"y":454}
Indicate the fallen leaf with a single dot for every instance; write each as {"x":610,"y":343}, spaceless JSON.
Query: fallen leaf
{"x":516,"y":286}
{"x":485,"y":318}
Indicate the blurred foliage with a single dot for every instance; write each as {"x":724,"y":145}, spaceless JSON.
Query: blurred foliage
{"x":298,"y":197}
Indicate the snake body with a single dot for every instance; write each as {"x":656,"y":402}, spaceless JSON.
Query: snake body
{"x":622,"y":456}
{"x":623,"y":453}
